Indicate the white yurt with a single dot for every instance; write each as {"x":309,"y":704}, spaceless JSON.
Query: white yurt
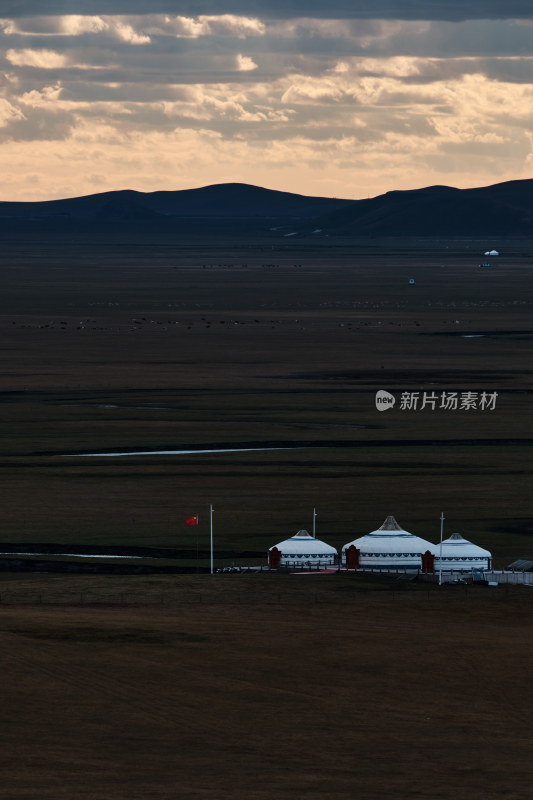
{"x":389,"y":547}
{"x":459,"y":553}
{"x":301,"y":550}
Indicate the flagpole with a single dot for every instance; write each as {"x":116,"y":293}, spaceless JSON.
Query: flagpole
{"x":440,"y":554}
{"x":314,"y":526}
{"x":211,"y":534}
{"x":197,"y":550}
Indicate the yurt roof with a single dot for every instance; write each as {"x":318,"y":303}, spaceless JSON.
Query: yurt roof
{"x":457,"y":546}
{"x":303,"y":542}
{"x":390,"y":538}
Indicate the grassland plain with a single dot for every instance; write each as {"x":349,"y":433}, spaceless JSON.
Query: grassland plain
{"x":144,"y":347}
{"x":324,"y":688}
{"x":265,"y":686}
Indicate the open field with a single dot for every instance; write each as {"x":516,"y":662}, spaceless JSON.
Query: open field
{"x":212,"y":343}
{"x":362,"y":694}
{"x":262,"y":686}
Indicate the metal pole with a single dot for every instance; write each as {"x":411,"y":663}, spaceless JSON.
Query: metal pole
{"x":314,"y":525}
{"x":440,"y":554}
{"x":211,"y":534}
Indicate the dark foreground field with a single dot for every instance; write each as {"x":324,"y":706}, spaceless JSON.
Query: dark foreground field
{"x":341,"y":692}
{"x":277,"y":342}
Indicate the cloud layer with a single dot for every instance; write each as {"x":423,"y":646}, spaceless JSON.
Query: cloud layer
{"x":331,"y":103}
{"x":454,"y":10}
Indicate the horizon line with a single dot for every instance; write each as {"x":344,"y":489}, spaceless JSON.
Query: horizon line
{"x":256,"y":186}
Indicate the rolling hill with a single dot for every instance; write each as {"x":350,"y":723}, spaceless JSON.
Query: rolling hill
{"x":220,"y":201}
{"x":504,"y":209}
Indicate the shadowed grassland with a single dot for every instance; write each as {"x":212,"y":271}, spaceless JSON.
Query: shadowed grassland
{"x":151,"y":347}
{"x":404,"y":694}
{"x":264,"y":686}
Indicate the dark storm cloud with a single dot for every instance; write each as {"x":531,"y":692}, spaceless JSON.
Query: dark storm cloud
{"x":453,"y":10}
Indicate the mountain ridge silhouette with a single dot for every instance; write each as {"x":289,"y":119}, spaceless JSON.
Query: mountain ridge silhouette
{"x":502,"y":209}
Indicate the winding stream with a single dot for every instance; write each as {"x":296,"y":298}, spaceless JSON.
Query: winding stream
{"x":179,"y":452}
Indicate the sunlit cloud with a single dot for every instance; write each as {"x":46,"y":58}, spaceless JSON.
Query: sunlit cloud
{"x":41,"y":59}
{"x":318,"y":104}
{"x":130,"y":28}
{"x":76,"y":25}
{"x":71,"y":25}
{"x":126,"y":33}
{"x":220,"y":25}
{"x":8,"y":113}
{"x":66,"y":25}
{"x":47,"y":96}
{"x":245,"y":63}
{"x":222,"y":103}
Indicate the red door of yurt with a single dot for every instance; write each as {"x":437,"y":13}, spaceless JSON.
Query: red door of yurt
{"x":352,"y":557}
{"x":428,"y":562}
{"x":274,"y":558}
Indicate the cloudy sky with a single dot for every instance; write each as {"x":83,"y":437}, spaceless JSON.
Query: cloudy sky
{"x":347,"y":98}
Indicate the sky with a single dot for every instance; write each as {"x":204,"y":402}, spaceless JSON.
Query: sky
{"x":346,"y":98}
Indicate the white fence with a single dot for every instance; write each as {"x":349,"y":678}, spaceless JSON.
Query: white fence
{"x":450,"y":576}
{"x":494,"y":576}
{"x":504,"y":576}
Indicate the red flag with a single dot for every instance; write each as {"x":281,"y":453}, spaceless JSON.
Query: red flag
{"x":192,"y":520}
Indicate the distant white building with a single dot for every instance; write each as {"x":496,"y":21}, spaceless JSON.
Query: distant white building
{"x":388,"y":547}
{"x":301,"y":550}
{"x":460,"y":554}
